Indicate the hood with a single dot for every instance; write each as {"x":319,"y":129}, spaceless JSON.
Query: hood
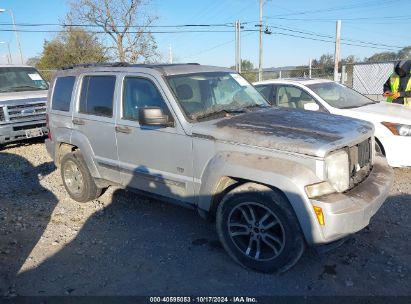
{"x":19,"y":97}
{"x":289,"y":130}
{"x":405,"y":66}
{"x":382,"y":111}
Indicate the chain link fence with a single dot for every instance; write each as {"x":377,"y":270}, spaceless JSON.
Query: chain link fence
{"x":368,"y":78}
{"x":301,"y":72}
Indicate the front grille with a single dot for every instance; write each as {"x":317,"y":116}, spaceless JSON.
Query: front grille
{"x":360,"y":161}
{"x":2,"y":118}
{"x":364,"y":153}
{"x":32,"y":111}
{"x":28,"y":127}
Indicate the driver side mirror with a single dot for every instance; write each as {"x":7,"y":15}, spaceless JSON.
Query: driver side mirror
{"x":311,"y":106}
{"x":153,"y":116}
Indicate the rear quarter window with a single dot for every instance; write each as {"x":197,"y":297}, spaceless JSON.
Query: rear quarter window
{"x":63,"y":90}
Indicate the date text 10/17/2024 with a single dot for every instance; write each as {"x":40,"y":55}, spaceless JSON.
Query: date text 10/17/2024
{"x":203,"y":300}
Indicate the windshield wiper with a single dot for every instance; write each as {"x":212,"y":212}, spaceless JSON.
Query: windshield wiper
{"x":25,"y":87}
{"x":219,"y":112}
{"x":358,"y":106}
{"x":261,"y":106}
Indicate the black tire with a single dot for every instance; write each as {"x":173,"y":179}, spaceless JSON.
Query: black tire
{"x":266,"y":201}
{"x":87,"y":189}
{"x":379,"y":149}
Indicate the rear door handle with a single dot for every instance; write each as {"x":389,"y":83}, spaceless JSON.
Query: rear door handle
{"x":121,"y":129}
{"x":78,"y":121}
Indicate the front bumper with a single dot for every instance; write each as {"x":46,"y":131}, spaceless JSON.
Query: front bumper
{"x":346,"y":213}
{"x":17,"y":131}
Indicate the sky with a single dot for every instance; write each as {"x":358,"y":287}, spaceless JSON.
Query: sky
{"x":366,"y":28}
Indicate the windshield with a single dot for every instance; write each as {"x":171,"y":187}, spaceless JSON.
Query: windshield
{"x":339,"y":96}
{"x":203,"y":95}
{"x":17,"y":79}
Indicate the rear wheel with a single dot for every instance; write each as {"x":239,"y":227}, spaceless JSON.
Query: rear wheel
{"x":77,"y":179}
{"x":259,"y":229}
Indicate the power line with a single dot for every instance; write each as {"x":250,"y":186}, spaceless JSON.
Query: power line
{"x":131,"y":32}
{"x":329,"y":41}
{"x":332,"y":37}
{"x":404,"y":17}
{"x":118,"y":26}
{"x":217,"y":46}
{"x":339,"y":8}
{"x":346,"y":41}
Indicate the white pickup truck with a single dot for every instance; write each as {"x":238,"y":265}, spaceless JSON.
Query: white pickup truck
{"x":23,"y":96}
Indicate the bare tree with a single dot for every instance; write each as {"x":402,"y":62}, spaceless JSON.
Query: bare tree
{"x":126,"y":22}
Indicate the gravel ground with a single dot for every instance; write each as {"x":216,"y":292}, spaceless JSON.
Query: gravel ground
{"x":123,"y":244}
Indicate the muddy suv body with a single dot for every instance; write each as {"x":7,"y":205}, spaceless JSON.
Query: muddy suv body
{"x":23,"y":96}
{"x":273,"y":179}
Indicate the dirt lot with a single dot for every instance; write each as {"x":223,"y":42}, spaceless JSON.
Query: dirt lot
{"x":122,"y":244}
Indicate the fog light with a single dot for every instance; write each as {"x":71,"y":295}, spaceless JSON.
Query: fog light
{"x":319,"y":214}
{"x":319,"y":189}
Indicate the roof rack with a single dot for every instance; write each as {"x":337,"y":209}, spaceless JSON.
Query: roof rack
{"x":87,"y":65}
{"x":124,"y":64}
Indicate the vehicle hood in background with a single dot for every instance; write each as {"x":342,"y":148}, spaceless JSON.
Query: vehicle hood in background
{"x":290,"y":130}
{"x":382,"y":111}
{"x":11,"y":98}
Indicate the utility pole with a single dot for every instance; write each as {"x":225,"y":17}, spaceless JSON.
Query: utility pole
{"x":342,"y":74}
{"x":238,"y":46}
{"x":337,"y":49}
{"x":170,"y":54}
{"x":260,"y":60}
{"x":309,"y":67}
{"x":9,"y":59}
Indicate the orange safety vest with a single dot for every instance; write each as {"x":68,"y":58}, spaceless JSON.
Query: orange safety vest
{"x":395,"y":84}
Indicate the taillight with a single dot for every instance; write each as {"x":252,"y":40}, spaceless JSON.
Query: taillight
{"x":48,"y":127}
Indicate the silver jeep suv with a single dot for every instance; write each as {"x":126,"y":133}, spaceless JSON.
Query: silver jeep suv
{"x":23,"y":96}
{"x":273,"y":179}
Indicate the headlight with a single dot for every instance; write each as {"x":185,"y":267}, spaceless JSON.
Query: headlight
{"x":398,"y":129}
{"x":2,"y":118}
{"x":337,"y":170}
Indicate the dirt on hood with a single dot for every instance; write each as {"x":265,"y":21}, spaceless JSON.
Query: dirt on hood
{"x":291,"y":130}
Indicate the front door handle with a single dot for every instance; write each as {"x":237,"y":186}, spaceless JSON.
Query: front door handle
{"x":123,"y":129}
{"x":78,"y":121}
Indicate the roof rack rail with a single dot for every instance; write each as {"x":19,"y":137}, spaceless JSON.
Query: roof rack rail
{"x":124,"y":64}
{"x":87,"y":65}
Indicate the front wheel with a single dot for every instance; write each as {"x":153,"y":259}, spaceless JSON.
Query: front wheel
{"x":378,"y":149}
{"x":259,"y":229}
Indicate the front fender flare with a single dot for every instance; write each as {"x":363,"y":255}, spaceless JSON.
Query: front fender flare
{"x":287,"y":176}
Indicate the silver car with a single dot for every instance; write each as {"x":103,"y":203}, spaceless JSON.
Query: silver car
{"x":273,"y":179}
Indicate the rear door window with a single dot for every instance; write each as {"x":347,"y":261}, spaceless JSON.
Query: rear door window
{"x":97,"y":93}
{"x":63,"y":90}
